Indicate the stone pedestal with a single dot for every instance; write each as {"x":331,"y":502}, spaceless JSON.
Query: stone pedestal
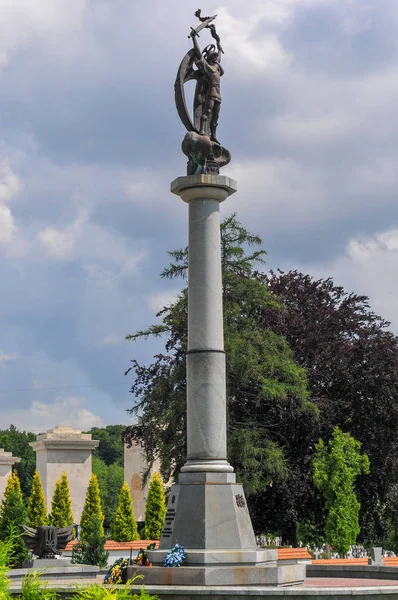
{"x":65,"y":450}
{"x":6,"y":462}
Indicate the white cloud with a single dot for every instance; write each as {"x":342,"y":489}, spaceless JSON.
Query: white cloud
{"x":49,"y":21}
{"x":157,"y":301}
{"x":9,"y":186}
{"x":61,"y":243}
{"x":369,"y":266}
{"x":6,"y":356}
{"x":112,"y":339}
{"x":69,"y":410}
{"x":248,"y":51}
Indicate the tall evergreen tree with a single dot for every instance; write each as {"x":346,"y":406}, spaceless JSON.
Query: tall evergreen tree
{"x":91,"y":549}
{"x":155,"y":510}
{"x":336,"y":467}
{"x":61,"y":504}
{"x":37,"y":509}
{"x":124,"y":526}
{"x":110,"y":478}
{"x":12,"y":515}
{"x":91,"y":509}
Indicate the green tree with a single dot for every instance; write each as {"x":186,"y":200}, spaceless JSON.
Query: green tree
{"x":90,"y":550}
{"x":111,"y":448}
{"x":37,"y":508}
{"x":110,"y":478}
{"x":336,"y":467}
{"x":351,"y":359}
{"x":124,"y":526}
{"x":61,"y":504}
{"x":17,"y":442}
{"x":155,"y":510}
{"x":269,"y":415}
{"x":12,"y":515}
{"x":91,"y":509}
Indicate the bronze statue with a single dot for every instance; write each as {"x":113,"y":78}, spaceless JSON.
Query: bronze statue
{"x":205,"y":153}
{"x":47,"y":542}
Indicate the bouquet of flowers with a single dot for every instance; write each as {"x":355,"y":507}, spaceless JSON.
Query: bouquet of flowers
{"x":176,"y":557}
{"x":141,"y":560}
{"x":117,"y":571}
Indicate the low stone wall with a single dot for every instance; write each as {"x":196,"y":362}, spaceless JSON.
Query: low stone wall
{"x":353,"y":571}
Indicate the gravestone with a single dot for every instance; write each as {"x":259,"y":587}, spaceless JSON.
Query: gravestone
{"x":376,"y":557}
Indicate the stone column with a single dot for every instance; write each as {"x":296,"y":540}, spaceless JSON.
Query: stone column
{"x":7,"y":460}
{"x":65,"y":450}
{"x":206,"y":391}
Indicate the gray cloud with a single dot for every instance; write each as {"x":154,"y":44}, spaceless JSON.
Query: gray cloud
{"x":91,"y":141}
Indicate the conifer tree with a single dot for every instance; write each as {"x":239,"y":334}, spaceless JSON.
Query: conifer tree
{"x":155,"y":510}
{"x":91,"y":549}
{"x":61,"y":504}
{"x":12,"y":515}
{"x":337,"y":465}
{"x":92,"y":508}
{"x":123,"y":526}
{"x":37,"y":509}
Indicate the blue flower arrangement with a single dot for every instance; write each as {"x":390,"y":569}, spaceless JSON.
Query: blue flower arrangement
{"x":176,"y":557}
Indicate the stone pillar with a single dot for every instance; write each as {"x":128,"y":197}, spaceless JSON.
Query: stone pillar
{"x":65,"y":449}
{"x":6,"y":462}
{"x":206,"y":391}
{"x":207,"y":510}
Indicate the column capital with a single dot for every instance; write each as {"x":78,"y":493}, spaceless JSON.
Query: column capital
{"x":214,"y":187}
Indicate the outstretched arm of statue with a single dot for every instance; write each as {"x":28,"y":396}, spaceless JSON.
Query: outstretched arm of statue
{"x":198,"y":53}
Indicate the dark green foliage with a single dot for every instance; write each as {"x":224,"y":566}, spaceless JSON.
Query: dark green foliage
{"x":352,"y":366}
{"x":269,"y":415}
{"x":37,"y":510}
{"x":61,"y":504}
{"x":110,"y":478}
{"x":110,"y":449}
{"x":155,"y":510}
{"x":12,"y":515}
{"x":124,"y":526}
{"x":17,"y":442}
{"x":336,"y":467}
{"x":90,"y":550}
{"x":91,"y":510}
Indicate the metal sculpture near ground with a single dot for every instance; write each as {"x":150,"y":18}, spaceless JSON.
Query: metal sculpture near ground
{"x":47,"y":542}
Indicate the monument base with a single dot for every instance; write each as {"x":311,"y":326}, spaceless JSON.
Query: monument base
{"x":208,"y":515}
{"x":46,"y":563}
{"x":221,"y":567}
{"x":208,"y":511}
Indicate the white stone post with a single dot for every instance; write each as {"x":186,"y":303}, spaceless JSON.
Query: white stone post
{"x":206,"y":387}
{"x":7,"y":460}
{"x":65,"y":450}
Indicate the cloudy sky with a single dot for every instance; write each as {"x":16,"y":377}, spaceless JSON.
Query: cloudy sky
{"x":90,"y":140}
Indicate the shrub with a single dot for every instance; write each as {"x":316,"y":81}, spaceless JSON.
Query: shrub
{"x":61,"y":504}
{"x":91,"y":509}
{"x":155,"y":510}
{"x":123,"y":526}
{"x":37,"y":509}
{"x":91,"y":549}
{"x":12,"y":515}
